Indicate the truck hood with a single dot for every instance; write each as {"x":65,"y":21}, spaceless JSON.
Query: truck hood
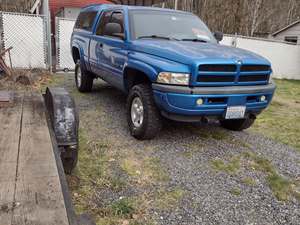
{"x":190,"y":53}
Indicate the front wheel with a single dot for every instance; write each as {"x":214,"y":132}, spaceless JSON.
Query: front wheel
{"x":239,"y":124}
{"x":144,"y":119}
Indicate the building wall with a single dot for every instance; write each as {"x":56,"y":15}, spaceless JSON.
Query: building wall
{"x":285,"y":57}
{"x":56,"y":5}
{"x":292,"y":31}
{"x":69,"y":12}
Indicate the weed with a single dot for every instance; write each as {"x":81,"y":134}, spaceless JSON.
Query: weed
{"x":123,"y":207}
{"x":154,"y":170}
{"x":191,"y":149}
{"x":236,"y":191}
{"x":281,"y":187}
{"x":249,"y":181}
{"x":220,"y":135}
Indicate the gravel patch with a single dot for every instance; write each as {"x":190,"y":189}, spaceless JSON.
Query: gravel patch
{"x":185,"y":152}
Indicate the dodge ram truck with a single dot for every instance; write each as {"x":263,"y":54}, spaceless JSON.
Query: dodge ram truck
{"x":170,"y":65}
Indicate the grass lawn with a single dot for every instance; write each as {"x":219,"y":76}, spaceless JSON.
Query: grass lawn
{"x":281,"y":121}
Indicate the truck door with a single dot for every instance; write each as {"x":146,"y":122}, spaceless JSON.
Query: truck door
{"x":109,"y":49}
{"x":96,"y":46}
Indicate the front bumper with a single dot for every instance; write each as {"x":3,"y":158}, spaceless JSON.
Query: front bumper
{"x":180,"y":103}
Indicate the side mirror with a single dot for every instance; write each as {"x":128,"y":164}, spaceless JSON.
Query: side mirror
{"x":114,"y":30}
{"x":218,"y":35}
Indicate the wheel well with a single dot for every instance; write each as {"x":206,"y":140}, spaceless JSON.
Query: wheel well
{"x":75,"y":54}
{"x":133,"y":77}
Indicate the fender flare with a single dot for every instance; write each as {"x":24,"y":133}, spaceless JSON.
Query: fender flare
{"x":64,"y":120}
{"x":150,"y":72}
{"x":81,"y":53}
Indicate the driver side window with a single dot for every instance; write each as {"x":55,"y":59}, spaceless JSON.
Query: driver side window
{"x":110,"y":17}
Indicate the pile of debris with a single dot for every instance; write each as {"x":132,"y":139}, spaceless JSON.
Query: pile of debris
{"x":4,"y":69}
{"x":19,"y":79}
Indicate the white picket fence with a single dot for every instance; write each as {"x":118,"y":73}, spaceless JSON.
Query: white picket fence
{"x":285,"y":57}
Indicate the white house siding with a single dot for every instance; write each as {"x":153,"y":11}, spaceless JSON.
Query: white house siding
{"x":293,"y":31}
{"x":285,"y":58}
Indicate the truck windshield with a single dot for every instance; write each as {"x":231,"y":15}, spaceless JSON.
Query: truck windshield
{"x":154,"y":24}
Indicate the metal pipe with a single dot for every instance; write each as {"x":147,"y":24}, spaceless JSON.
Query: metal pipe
{"x":49,"y":35}
{"x":176,"y":4}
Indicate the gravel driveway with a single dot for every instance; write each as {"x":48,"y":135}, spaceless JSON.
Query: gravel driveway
{"x":190,"y":174}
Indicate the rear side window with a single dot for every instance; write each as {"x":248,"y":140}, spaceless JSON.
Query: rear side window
{"x":85,"y":20}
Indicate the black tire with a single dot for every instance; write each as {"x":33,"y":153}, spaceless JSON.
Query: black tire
{"x":69,"y":158}
{"x":85,"y":84}
{"x":238,"y":125}
{"x":152,"y":121}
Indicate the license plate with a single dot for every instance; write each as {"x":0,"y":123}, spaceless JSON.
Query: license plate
{"x":235,"y":112}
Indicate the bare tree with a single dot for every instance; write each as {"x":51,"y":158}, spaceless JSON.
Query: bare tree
{"x":245,"y":17}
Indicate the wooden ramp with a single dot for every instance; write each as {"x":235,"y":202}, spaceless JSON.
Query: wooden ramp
{"x":30,"y":188}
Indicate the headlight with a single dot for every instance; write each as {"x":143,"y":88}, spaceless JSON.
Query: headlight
{"x":173,"y":78}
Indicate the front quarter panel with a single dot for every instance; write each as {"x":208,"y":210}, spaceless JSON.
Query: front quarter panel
{"x":153,"y":65}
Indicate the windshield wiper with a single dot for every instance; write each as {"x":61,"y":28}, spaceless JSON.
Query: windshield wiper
{"x":194,"y":40}
{"x":158,"y":37}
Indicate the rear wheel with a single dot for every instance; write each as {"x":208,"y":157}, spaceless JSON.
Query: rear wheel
{"x":238,"y":125}
{"x":83,"y":80}
{"x":144,"y":119}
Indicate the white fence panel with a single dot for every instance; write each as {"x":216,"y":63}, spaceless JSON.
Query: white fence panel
{"x":27,"y":35}
{"x":64,"y":29}
{"x":285,"y":58}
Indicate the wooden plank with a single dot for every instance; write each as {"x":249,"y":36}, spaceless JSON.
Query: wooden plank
{"x":10,"y":130}
{"x":9,"y":141}
{"x":6,"y":202}
{"x":39,"y":202}
{"x":38,"y":189}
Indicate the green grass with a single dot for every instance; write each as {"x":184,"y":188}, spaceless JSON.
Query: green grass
{"x":281,"y":121}
{"x":249,"y":181}
{"x":146,"y":170}
{"x":283,"y":188}
{"x":169,"y":199}
{"x":231,"y":167}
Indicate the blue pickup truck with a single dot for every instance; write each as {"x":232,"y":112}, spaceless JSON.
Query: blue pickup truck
{"x":170,"y":66}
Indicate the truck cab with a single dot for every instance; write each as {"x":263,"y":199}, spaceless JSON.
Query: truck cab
{"x":170,"y":65}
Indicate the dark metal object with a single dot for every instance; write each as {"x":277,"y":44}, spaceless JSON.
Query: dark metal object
{"x":65,"y":122}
